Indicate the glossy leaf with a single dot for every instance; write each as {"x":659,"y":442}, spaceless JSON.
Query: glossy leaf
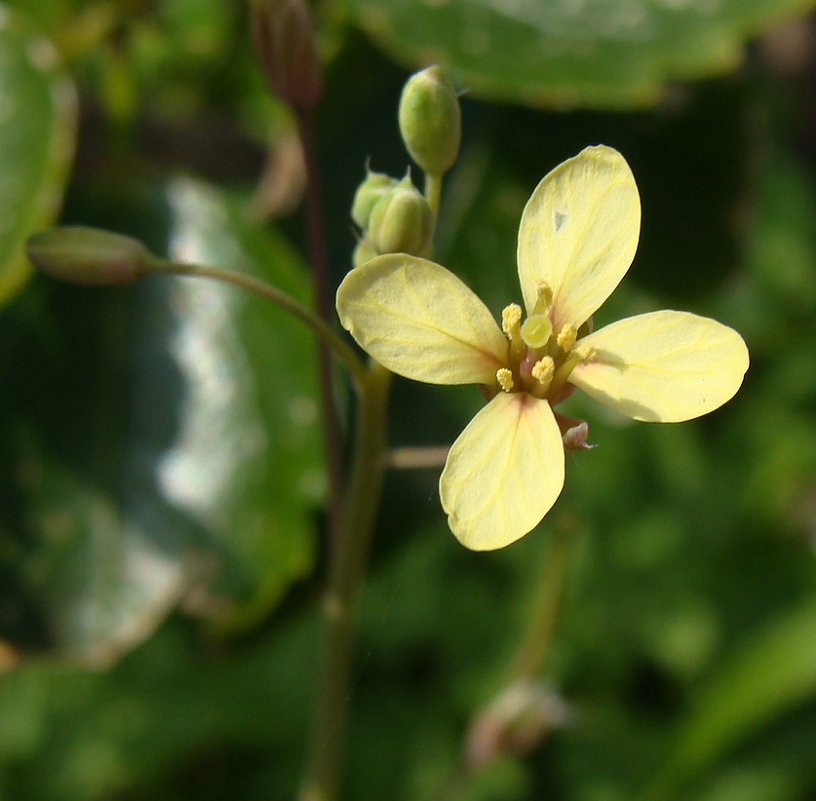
{"x":246,"y":463}
{"x":37,"y":122}
{"x":183,"y":451}
{"x":600,"y":53}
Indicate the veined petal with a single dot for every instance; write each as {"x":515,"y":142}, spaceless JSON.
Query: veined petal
{"x":420,"y":321}
{"x":503,"y":473}
{"x":665,"y":367}
{"x":579,"y":232}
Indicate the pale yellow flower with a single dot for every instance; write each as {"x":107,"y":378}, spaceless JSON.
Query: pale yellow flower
{"x":577,"y":238}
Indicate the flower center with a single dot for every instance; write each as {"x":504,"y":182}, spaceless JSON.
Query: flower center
{"x":539,"y":359}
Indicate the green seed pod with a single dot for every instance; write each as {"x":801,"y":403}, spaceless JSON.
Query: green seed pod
{"x":401,"y":221}
{"x":430,"y":120}
{"x":88,"y":256}
{"x":373,"y":187}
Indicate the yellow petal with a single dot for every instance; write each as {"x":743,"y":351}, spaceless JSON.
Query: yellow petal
{"x":420,"y":321}
{"x":664,"y":367}
{"x":503,"y":473}
{"x":579,"y":233}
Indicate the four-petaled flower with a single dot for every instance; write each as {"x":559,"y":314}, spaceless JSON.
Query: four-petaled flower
{"x":577,"y":238}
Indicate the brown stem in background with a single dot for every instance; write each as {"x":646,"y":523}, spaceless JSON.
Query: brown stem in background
{"x":317,"y":260}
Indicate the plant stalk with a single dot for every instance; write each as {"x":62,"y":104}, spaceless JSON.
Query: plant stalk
{"x":358,"y":514}
{"x":332,"y":437}
{"x":540,"y":630}
{"x":433,"y":193}
{"x":324,"y":332}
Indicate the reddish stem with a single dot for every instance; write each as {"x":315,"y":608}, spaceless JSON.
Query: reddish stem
{"x":317,"y":260}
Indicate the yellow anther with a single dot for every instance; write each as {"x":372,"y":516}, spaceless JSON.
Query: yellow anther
{"x":544,"y":292}
{"x":536,"y":330}
{"x":566,"y":337}
{"x":511,"y":320}
{"x":584,"y":354}
{"x":544,"y":297}
{"x":505,"y":378}
{"x":543,"y":370}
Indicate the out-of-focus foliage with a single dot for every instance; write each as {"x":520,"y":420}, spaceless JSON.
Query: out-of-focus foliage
{"x":37,"y":122}
{"x":569,"y":53}
{"x":131,"y":488}
{"x":159,"y":449}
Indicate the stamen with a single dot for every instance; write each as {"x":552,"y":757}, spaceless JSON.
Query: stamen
{"x":536,"y":330}
{"x":563,"y":373}
{"x":584,"y":354}
{"x":543,"y":370}
{"x":566,"y":337}
{"x":511,"y":319}
{"x":511,"y":325}
{"x":505,"y":378}
{"x":544,"y":297}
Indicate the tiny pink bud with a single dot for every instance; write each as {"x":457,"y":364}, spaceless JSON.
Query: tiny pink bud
{"x":517,"y":720}
{"x":575,"y":438}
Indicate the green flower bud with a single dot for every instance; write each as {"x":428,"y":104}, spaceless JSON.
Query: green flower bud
{"x":430,"y":120}
{"x":284,"y":41}
{"x":401,"y":221}
{"x":373,"y":187}
{"x":363,"y":252}
{"x":88,"y":256}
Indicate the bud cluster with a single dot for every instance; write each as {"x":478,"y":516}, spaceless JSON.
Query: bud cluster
{"x":393,"y":216}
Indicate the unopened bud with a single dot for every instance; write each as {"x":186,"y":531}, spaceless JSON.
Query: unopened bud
{"x":363,"y":252}
{"x":575,"y":438}
{"x":401,"y":221}
{"x":284,"y":41}
{"x":430,"y":120}
{"x":574,"y":433}
{"x":373,"y":187}
{"x":88,"y":256}
{"x":519,"y":718}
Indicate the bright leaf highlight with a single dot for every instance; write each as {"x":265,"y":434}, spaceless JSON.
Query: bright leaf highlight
{"x":577,"y":238}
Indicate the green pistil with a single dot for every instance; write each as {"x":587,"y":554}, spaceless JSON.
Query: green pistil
{"x":539,"y":360}
{"x":536,"y":331}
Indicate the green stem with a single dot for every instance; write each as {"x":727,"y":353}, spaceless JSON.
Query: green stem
{"x":357,"y":519}
{"x":433,"y":193}
{"x":541,"y":628}
{"x":271,"y":293}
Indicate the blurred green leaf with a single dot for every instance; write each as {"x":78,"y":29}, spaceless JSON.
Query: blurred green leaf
{"x":82,"y":735}
{"x":771,"y":674}
{"x":597,"y":53}
{"x":37,"y":128}
{"x":247,"y":461}
{"x":183,"y":446}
